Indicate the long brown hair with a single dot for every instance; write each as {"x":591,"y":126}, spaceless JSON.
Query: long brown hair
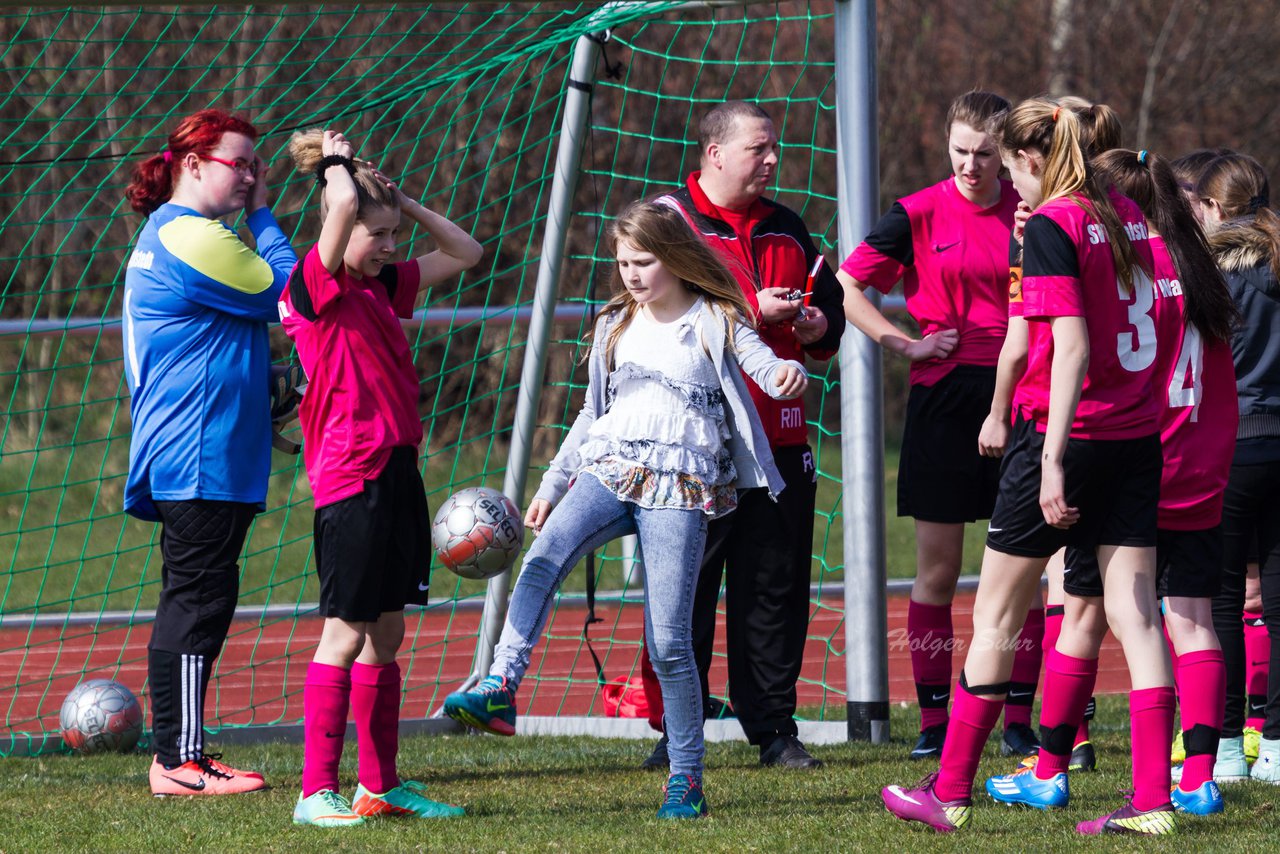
{"x":1239,"y":184}
{"x":1057,"y":132}
{"x":306,"y":149}
{"x":663,"y":232}
{"x":1150,"y":181}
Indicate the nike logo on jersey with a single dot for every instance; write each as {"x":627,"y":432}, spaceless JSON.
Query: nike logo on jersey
{"x":943,"y":247}
{"x":195,"y":787}
{"x":991,"y":530}
{"x":423,"y":588}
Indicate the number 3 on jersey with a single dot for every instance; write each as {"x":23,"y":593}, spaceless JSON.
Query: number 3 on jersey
{"x":1136,"y":347}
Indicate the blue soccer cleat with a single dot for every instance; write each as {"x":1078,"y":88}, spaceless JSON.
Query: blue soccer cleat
{"x":682,"y":798}
{"x":490,"y":706}
{"x":1204,"y":800}
{"x":1023,"y":787}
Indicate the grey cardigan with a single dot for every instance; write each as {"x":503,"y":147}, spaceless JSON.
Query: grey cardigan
{"x":747,"y":443}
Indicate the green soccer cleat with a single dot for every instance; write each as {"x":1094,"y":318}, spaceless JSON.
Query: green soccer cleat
{"x":405,"y":800}
{"x":325,"y":808}
{"x":490,"y":706}
{"x":1252,"y":744}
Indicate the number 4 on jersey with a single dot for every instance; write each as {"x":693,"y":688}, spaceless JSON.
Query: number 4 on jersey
{"x":1190,"y":361}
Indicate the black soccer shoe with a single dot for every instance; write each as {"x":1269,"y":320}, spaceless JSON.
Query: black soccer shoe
{"x":1019,"y":740}
{"x":786,"y":751}
{"x":930,"y":744}
{"x":658,"y":760}
{"x":1083,"y":757}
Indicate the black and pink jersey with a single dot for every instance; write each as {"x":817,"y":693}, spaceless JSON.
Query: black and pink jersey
{"x":952,"y":258}
{"x":362,"y":388}
{"x":1197,"y":382}
{"x":1068,"y":271}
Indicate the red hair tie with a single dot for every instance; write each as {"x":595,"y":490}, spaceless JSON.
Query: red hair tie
{"x":167,"y":155}
{"x":1056,"y":110}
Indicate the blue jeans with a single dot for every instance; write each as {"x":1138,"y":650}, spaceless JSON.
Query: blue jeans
{"x":671,"y":542}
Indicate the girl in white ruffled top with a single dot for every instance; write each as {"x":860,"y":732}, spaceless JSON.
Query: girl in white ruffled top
{"x":666,"y":436}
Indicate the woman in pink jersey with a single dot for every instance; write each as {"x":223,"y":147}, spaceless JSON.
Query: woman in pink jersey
{"x":1100,"y":130}
{"x":361,"y":430}
{"x":949,"y":245}
{"x":1083,"y":470}
{"x":1195,"y":379}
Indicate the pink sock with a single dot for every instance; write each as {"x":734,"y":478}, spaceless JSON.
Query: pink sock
{"x":931,"y":640}
{"x":1202,"y":688}
{"x":1068,"y":684}
{"x":972,"y":721}
{"x":375,"y":705}
{"x":1150,"y":723}
{"x":1026,"y":670}
{"x":1257,"y":662}
{"x":325,"y":695}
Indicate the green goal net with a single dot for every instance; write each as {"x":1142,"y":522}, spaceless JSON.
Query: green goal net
{"x":463,"y":102}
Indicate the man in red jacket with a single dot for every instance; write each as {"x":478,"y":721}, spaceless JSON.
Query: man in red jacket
{"x":766,"y":544}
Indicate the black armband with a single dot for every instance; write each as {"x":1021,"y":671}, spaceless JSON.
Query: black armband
{"x":333,"y":160}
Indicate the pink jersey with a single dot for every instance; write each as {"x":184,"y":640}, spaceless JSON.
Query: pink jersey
{"x":1197,"y":381}
{"x":362,"y":391}
{"x":1068,"y":271}
{"x":952,"y":258}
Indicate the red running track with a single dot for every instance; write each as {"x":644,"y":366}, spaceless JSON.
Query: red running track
{"x":259,"y":676}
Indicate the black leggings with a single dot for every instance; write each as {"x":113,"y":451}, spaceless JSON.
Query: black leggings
{"x":201,"y":542}
{"x":1251,"y":508}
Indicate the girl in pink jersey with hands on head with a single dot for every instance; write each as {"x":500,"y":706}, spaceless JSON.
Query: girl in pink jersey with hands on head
{"x":1083,"y":468}
{"x":1195,"y":380}
{"x":949,"y":245}
{"x":361,"y":430}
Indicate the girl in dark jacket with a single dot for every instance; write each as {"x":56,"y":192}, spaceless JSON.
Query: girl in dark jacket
{"x":1234,"y":197}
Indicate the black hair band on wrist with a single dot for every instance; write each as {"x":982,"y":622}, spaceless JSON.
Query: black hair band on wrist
{"x":333,"y":160}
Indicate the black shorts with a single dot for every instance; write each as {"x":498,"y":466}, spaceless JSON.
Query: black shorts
{"x":941,"y":475}
{"x":1114,"y":483}
{"x":1188,"y":563}
{"x":373,"y":550}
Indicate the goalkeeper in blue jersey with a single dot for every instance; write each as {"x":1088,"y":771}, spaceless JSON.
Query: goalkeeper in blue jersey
{"x":197,"y":302}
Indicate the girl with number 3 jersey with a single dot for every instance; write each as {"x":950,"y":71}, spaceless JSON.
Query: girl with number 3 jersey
{"x":1083,"y":468}
{"x":1195,"y":380}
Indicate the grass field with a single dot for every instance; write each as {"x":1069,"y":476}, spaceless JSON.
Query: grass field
{"x":578,"y":794}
